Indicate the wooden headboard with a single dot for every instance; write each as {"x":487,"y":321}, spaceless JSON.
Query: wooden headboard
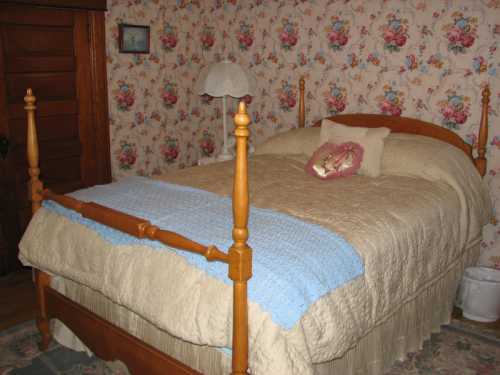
{"x":399,"y":124}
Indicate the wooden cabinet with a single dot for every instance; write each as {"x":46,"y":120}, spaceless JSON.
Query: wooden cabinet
{"x":60,"y":53}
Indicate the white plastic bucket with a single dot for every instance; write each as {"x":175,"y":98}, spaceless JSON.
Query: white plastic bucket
{"x":479,"y":294}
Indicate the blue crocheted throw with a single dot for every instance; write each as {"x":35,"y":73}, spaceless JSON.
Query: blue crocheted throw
{"x":284,"y":283}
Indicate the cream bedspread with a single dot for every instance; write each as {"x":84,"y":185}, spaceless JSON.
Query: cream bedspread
{"x":393,"y":221}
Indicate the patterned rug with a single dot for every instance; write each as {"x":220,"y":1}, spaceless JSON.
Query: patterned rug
{"x":19,"y":355}
{"x":460,"y":348}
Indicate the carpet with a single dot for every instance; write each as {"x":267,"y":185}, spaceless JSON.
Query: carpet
{"x":460,"y":349}
{"x":19,"y":355}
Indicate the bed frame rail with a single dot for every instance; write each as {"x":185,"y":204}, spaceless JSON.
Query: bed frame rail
{"x":135,"y":226}
{"x":238,"y":258}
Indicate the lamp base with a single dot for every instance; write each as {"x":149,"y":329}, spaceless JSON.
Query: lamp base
{"x":224,"y":157}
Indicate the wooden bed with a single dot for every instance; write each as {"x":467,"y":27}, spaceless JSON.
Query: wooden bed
{"x":110,"y":342}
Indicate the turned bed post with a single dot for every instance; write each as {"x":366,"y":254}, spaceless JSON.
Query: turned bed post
{"x":42,"y":280}
{"x":240,"y":254}
{"x":302,"y":107}
{"x":35,"y":186}
{"x":480,"y":161}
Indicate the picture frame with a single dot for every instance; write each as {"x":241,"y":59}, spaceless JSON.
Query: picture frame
{"x":133,"y":38}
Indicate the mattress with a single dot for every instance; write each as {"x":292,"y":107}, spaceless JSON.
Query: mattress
{"x":410,"y":226}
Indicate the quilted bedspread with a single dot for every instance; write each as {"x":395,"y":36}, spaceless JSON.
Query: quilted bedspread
{"x":408,"y":225}
{"x":285,"y":282}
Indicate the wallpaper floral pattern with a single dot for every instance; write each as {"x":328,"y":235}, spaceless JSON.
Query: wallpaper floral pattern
{"x":415,"y":58}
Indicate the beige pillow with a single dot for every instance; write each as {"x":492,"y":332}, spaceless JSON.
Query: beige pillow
{"x":333,"y":129}
{"x":371,"y":139}
{"x":294,"y":141}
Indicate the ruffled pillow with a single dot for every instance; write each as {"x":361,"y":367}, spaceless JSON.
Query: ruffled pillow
{"x":335,"y":160}
{"x":371,"y":139}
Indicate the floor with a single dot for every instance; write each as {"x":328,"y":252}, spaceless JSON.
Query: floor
{"x":17,"y":299}
{"x":457,"y":314}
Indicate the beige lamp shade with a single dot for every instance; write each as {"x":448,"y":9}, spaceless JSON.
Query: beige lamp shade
{"x":225,"y":78}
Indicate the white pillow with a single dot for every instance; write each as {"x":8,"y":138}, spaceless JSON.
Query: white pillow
{"x":371,"y":139}
{"x":295,"y":141}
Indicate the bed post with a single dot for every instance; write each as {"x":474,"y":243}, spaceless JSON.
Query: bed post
{"x":480,"y":161}
{"x":36,"y":186}
{"x":302,"y":109}
{"x":42,"y":280}
{"x":240,"y":254}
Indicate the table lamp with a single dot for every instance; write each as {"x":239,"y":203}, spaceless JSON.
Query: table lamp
{"x":221,"y":80}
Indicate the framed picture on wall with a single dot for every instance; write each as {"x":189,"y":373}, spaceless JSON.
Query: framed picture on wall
{"x":133,"y":38}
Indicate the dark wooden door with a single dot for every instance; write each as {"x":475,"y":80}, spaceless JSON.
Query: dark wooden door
{"x":50,"y":51}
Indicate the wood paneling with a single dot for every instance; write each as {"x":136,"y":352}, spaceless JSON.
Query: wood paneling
{"x":8,"y":202}
{"x":40,"y":64}
{"x":76,"y":4}
{"x":52,"y":108}
{"x":22,"y":15}
{"x":99,"y":88}
{"x":61,"y":170}
{"x":37,"y":41}
{"x":24,"y":216}
{"x":67,"y":148}
{"x":38,"y":48}
{"x":49,"y":128}
{"x":49,"y":86}
{"x":60,"y":54}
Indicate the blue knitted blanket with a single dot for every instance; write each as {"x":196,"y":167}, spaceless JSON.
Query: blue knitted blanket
{"x":294,"y":263}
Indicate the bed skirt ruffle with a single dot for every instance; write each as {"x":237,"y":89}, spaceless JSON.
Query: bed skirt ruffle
{"x":402,"y":332}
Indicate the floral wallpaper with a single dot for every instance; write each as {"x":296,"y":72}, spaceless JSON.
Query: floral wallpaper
{"x":414,"y":58}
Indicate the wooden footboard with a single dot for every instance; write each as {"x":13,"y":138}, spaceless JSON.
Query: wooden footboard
{"x":104,"y":338}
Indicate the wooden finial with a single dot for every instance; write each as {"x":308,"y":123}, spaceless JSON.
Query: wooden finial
{"x":302,"y":108}
{"x":480,"y":161}
{"x":241,"y":118}
{"x":36,"y":186}
{"x":29,"y":99}
{"x":240,"y":254}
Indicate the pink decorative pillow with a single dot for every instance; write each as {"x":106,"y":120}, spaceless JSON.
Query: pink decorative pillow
{"x":335,"y":160}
